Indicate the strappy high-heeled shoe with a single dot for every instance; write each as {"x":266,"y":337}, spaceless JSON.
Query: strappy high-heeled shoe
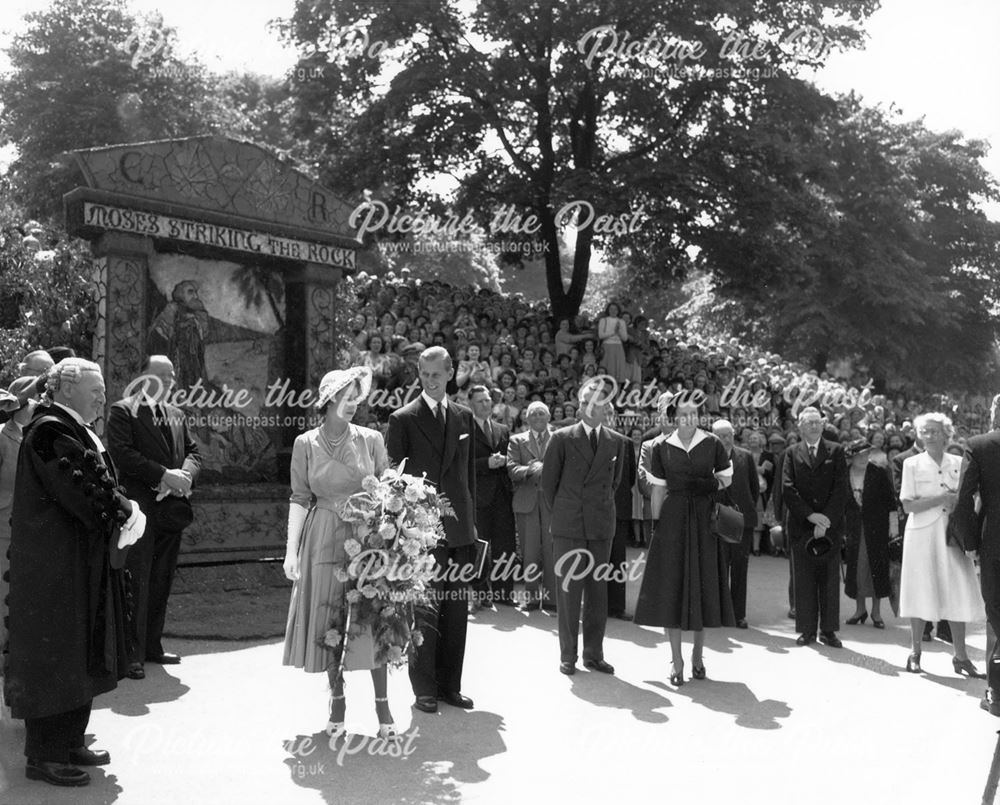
{"x":878,"y":623}
{"x":858,"y":619}
{"x":697,"y":671}
{"x":966,"y":667}
{"x":913,"y":663}
{"x":387,"y":732}
{"x":676,"y":677}
{"x":335,"y":729}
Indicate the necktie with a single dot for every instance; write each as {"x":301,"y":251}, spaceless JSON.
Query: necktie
{"x":440,"y":416}
{"x":489,"y":434}
{"x":593,"y":439}
{"x":812,"y":453}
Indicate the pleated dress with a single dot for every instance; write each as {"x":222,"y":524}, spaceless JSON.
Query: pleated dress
{"x":685,"y":583}
{"x":323,"y":477}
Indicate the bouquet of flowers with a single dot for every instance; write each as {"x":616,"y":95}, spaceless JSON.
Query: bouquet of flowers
{"x":397,"y":523}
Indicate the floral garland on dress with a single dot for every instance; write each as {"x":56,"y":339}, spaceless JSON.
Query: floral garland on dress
{"x":396,"y":521}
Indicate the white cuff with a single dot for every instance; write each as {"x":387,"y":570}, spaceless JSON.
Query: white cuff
{"x":726,"y":473}
{"x":652,"y":479}
{"x":134,"y":527}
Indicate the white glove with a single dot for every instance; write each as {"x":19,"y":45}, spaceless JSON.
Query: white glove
{"x":134,"y":527}
{"x":296,"y":519}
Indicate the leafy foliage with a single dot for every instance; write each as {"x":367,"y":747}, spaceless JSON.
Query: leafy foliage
{"x":88,"y":73}
{"x":498,"y":96}
{"x":849,"y":234}
{"x":47,"y":298}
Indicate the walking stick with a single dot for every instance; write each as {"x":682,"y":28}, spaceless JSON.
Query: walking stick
{"x":991,"y":781}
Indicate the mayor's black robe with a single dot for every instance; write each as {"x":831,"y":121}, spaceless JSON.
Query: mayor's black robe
{"x":67,"y":607}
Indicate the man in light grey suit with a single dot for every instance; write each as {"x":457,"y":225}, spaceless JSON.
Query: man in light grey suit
{"x":525,"y":452}
{"x":580,"y":473}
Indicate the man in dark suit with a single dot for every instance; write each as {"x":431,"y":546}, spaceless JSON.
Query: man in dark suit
{"x":814,"y":493}
{"x":743,"y":492}
{"x":434,"y":435}
{"x":68,"y":619}
{"x":149,"y":441}
{"x":623,"y":530}
{"x":981,"y":531}
{"x":582,"y":469}
{"x":494,"y":510}
{"x":896,"y":470}
{"x":525,"y":453}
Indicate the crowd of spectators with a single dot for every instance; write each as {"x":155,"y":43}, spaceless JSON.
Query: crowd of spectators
{"x":522,"y":353}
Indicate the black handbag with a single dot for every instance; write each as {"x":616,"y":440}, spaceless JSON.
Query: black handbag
{"x":896,"y":549}
{"x":727,"y":523}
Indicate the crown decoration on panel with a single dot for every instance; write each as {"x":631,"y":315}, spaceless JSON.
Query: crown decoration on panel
{"x":211,"y":191}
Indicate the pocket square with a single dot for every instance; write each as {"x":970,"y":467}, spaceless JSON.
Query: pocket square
{"x":463,"y":436}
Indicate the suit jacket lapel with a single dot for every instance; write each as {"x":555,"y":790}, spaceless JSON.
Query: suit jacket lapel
{"x":581,"y":443}
{"x":482,"y":438}
{"x":145,"y":416}
{"x":605,"y":452}
{"x":453,"y":429}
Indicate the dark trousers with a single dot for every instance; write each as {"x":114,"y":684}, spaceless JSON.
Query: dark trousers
{"x":574,"y":589}
{"x":989,"y":584}
{"x":496,"y":525}
{"x":618,"y":558}
{"x":737,"y":557}
{"x":152,"y":562}
{"x":51,"y":737}
{"x":817,"y":589}
{"x":436,"y":666}
{"x":791,"y":581}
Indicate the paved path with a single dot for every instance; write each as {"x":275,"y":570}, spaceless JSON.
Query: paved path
{"x":774,"y":723}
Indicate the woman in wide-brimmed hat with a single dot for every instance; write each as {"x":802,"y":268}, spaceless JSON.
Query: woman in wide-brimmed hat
{"x":867,"y":526}
{"x":329,"y":464}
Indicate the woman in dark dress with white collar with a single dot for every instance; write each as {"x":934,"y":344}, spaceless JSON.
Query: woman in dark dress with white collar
{"x":685,"y":587}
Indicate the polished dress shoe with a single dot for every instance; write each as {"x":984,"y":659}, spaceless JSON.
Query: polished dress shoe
{"x":620,"y":616}
{"x":805,"y":639}
{"x":456,"y":699}
{"x":164,"y":659}
{"x":55,"y":773}
{"x":988,"y":704}
{"x":742,"y":624}
{"x":830,"y":639}
{"x":599,"y":665}
{"x":568,"y":668}
{"x":81,"y":756}
{"x":135,"y":671}
{"x":428,"y":704}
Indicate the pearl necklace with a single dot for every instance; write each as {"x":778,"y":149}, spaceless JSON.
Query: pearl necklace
{"x":333,"y":443}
